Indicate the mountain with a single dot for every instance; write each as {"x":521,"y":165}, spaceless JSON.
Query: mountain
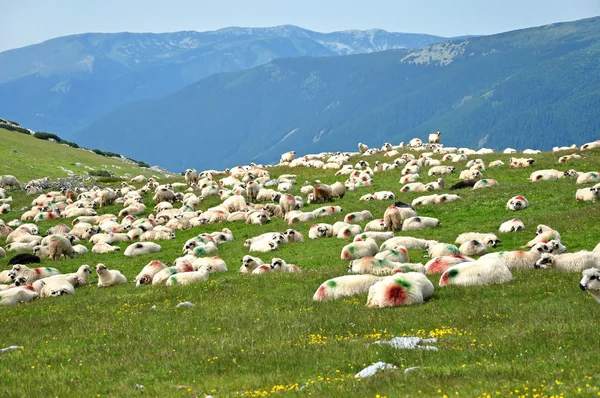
{"x":536,"y":87}
{"x":63,"y":84}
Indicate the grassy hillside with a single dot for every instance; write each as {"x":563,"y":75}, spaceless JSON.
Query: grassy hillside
{"x":263,"y":335}
{"x":27,"y":157}
{"x":496,"y":91}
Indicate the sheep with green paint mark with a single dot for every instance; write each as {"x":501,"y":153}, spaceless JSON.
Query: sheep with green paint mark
{"x":345,"y":286}
{"x":473,"y":248}
{"x":358,"y":250}
{"x":377,"y":236}
{"x":442,"y":249}
{"x":349,"y":232}
{"x":398,"y":255}
{"x":477,"y":273}
{"x":519,"y":260}
{"x":400,"y":289}
{"x":589,"y":177}
{"x":358,"y":216}
{"x":186,"y":278}
{"x":31,"y":274}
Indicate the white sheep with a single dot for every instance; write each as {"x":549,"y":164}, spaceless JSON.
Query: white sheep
{"x":164,"y":274}
{"x":590,"y":145}
{"x":357,"y":250}
{"x":546,"y":175}
{"x":400,"y":289}
{"x":489,"y":239}
{"x":264,"y":246}
{"x":477,"y":273}
{"x":32,"y":274}
{"x":249,"y":264}
{"x":473,"y":248}
{"x":185,"y":278}
{"x":321,"y":230}
{"x":425,"y":200}
{"x":141,"y":248}
{"x":485,"y":183}
{"x":358,"y":216}
{"x":420,"y":223}
{"x":570,"y":262}
{"x":293,"y":236}
{"x":103,"y":248}
{"x":327,"y":211}
{"x":519,"y":260}
{"x":434,"y":138}
{"x":107,"y":278}
{"x":588,"y":194}
{"x":590,"y":281}
{"x":362,"y":148}
{"x":597,"y":248}
{"x":438,"y":265}
{"x":407,"y":242}
{"x":409,"y":178}
{"x":470,"y":175}
{"x":440,"y":170}
{"x":516,"y":203}
{"x":442,"y":249}
{"x":377,"y":236}
{"x":589,"y":177}
{"x":513,"y":225}
{"x":349,"y":232}
{"x":59,"y":246}
{"x":345,"y":286}
{"x":147,"y":273}
{"x":18,"y":295}
{"x":54,"y":287}
{"x":375,"y":266}
{"x":279,"y":265}
{"x":156,"y":235}
{"x":376,"y":225}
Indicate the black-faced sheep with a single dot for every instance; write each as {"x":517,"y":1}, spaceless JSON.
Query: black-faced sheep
{"x":588,"y":194}
{"x":516,"y":203}
{"x":513,"y":225}
{"x":570,"y":262}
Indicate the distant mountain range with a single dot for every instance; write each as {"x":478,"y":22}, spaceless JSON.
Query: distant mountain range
{"x":63,"y":84}
{"x":536,"y":87}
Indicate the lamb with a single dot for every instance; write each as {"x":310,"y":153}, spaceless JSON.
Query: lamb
{"x":570,"y":262}
{"x":477,"y":273}
{"x":317,"y":231}
{"x":376,"y":236}
{"x":439,"y":265}
{"x":279,"y":265}
{"x":345,"y":286}
{"x":442,"y":249}
{"x":489,"y":239}
{"x":517,"y":203}
{"x":420,"y":223}
{"x":376,"y":225}
{"x":327,"y":211}
{"x":17,"y":295}
{"x":59,"y":246}
{"x":357,"y":250}
{"x":590,"y":281}
{"x":32,"y":274}
{"x":185,"y":278}
{"x":485,"y":183}
{"x":400,"y":289}
{"x":147,"y":273}
{"x":358,"y":216}
{"x":103,"y":248}
{"x":519,"y":260}
{"x":434,"y":138}
{"x":589,"y":177}
{"x":588,"y":194}
{"x":513,"y":225}
{"x":249,"y":264}
{"x":107,"y":278}
{"x":140,"y":248}
{"x":407,"y":242}
{"x":9,"y":181}
{"x":473,"y":248}
{"x":467,"y":175}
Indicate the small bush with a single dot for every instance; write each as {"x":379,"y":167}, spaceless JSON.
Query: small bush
{"x":143,"y":164}
{"x":109,"y":180}
{"x":46,"y":136}
{"x":98,"y":152}
{"x":14,"y":128}
{"x":100,"y":173}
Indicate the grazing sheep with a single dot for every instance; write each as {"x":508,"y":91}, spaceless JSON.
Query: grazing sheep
{"x":590,"y":281}
{"x":103,"y":248}
{"x":147,"y":273}
{"x":477,"y":273}
{"x":420,"y":223}
{"x":361,"y":249}
{"x":31,"y":274}
{"x":400,"y":289}
{"x":513,"y":225}
{"x":441,"y":249}
{"x":9,"y":181}
{"x":107,"y":278}
{"x":338,"y":190}
{"x":473,"y":248}
{"x":17,"y":295}
{"x":376,"y":225}
{"x":397,"y":255}
{"x":588,"y":194}
{"x":570,"y":262}
{"x":485,"y":183}
{"x":377,"y":236}
{"x":140,"y":248}
{"x":519,"y":260}
{"x":279,"y":265}
{"x":249,"y":264}
{"x":185,"y":278}
{"x":489,"y":239}
{"x":358,"y":216}
{"x":317,"y":231}
{"x":59,"y":246}
{"x":517,"y":203}
{"x":345,"y":286}
{"x":438,"y":265}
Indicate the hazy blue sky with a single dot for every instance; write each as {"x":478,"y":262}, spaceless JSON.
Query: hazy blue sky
{"x":26,"y":22}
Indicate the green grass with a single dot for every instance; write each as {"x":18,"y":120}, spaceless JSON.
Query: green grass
{"x":263,"y":335}
{"x":35,"y":158}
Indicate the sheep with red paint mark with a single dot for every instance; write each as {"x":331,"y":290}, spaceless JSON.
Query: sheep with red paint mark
{"x":358,"y":250}
{"x":439,"y":265}
{"x":147,"y":273}
{"x":519,"y":260}
{"x":400,"y":289}
{"x":185,"y":278}
{"x":513,"y":225}
{"x":327,"y":211}
{"x":349,"y":231}
{"x":397,"y":255}
{"x":164,"y":274}
{"x":345,"y":286}
{"x":376,"y":225}
{"x":441,"y":249}
{"x":24,"y":294}
{"x":516,"y":203}
{"x":477,"y":273}
{"x":358,"y":216}
{"x":32,"y":274}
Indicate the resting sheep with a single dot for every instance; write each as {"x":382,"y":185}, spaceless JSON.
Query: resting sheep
{"x":420,"y":223}
{"x":519,"y":260}
{"x":476,"y":273}
{"x":17,"y":295}
{"x":317,"y":231}
{"x":279,"y":265}
{"x":588,"y":194}
{"x":185,"y":278}
{"x":249,"y":264}
{"x":473,"y":248}
{"x":400,"y":289}
{"x":358,"y":250}
{"x":590,"y":281}
{"x":513,"y":225}
{"x":517,"y":203}
{"x":141,"y":248}
{"x":438,"y":265}
{"x":358,"y":216}
{"x":570,"y":262}
{"x":31,"y":274}
{"x":107,"y":278}
{"x":147,"y":273}
{"x":488,"y":238}
{"x":345,"y":286}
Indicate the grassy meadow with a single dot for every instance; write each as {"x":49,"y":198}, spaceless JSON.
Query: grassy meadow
{"x":35,"y":158}
{"x":537,"y":336}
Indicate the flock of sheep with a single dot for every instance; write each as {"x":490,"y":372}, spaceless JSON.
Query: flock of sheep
{"x":379,"y":263}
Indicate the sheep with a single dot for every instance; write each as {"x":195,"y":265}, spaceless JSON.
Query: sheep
{"x":570,"y":262}
{"x":434,"y":138}
{"x":358,"y":216}
{"x":201,"y":249}
{"x":376,"y":236}
{"x":394,"y":216}
{"x":140,"y":248}
{"x":287,"y":157}
{"x":32,"y":274}
{"x":519,"y":260}
{"x":398,"y":255}
{"x":597,"y":248}
{"x":520,"y":162}
{"x":321,"y":193}
{"x":5,"y":276}
{"x":263,"y":246}
{"x":327,"y":211}
{"x":103,"y":248}
{"x":156,"y":235}
{"x":321,"y":230}
{"x":257,"y":218}
{"x":588,"y":194}
{"x":18,"y":246}
{"x":179,"y":223}
{"x":9,"y":181}
{"x":513,"y":225}
{"x":338,"y":190}
{"x":362,"y":148}
{"x":400,"y":289}
{"x":476,"y":273}
{"x":467,"y":175}
{"x":216,"y":263}
{"x":485,"y":183}
{"x":249,"y":264}
{"x":433,"y":186}
{"x":496,"y":163}
{"x":3,"y":253}
{"x":376,"y":225}
{"x":420,"y":223}
{"x":80,"y":277}
{"x":345,"y":286}
{"x":590,"y":281}
{"x":349,"y":231}
{"x":375,"y":266}
{"x":409,"y":178}
{"x":416,"y":187}
{"x":590,"y":145}
{"x":441,"y":249}
{"x":191,"y":176}
{"x":407,"y":242}
{"x":589,"y":177}
{"x":17,"y":295}
{"x":447,"y":198}
{"x":543,"y":237}
{"x":107,"y":278}
{"x":279,"y":265}
{"x":54,"y":287}
{"x":489,"y":239}
{"x":293,"y":236}
{"x":438,"y":265}
{"x":301,"y":217}
{"x":546,"y":175}
{"x":361,"y":249}
{"x":139,"y":179}
{"x":164,"y":274}
{"x":59,"y":246}
{"x":440,"y":170}
{"x":24,"y":258}
{"x":556,"y":247}
{"x":425,"y":200}
{"x":517,"y":203}
{"x":147,"y":273}
{"x":473,"y":248}
{"x":185,"y":278}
